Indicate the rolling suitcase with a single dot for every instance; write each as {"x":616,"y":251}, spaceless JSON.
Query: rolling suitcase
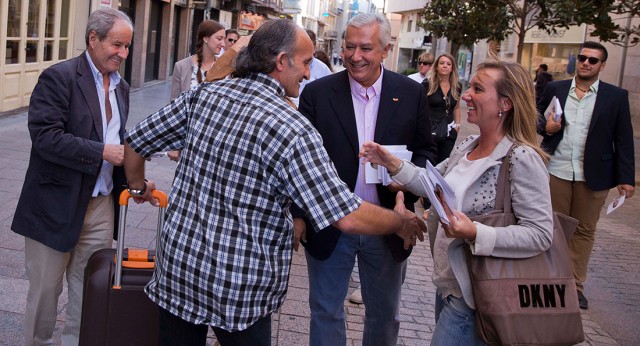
{"x":115,"y":309}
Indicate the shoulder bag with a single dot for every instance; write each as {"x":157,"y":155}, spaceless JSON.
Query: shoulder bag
{"x":525,"y":301}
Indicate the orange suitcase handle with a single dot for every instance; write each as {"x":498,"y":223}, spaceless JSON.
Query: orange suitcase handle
{"x":157,"y":194}
{"x":124,"y":205}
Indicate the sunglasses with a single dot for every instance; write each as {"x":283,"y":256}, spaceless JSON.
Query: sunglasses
{"x":425,"y":63}
{"x":232,"y":40}
{"x":592,"y":60}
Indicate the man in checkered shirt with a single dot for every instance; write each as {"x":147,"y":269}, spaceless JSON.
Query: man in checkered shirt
{"x":247,"y":156}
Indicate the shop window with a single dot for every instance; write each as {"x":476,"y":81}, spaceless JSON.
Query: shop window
{"x":31,"y":50}
{"x":62,"y":49}
{"x":13,"y":22}
{"x":48,"y":53}
{"x":33,"y":19}
{"x":50,"y":19}
{"x":64,"y":19}
{"x":13,"y":47}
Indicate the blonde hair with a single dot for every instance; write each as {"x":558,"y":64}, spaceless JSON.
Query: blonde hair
{"x":520,"y":121}
{"x":454,"y":78}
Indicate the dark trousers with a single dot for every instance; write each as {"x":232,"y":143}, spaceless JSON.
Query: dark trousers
{"x":175,"y":331}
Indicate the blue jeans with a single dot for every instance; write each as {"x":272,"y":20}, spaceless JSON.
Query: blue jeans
{"x":455,"y":323}
{"x":175,"y":331}
{"x":381,"y":281}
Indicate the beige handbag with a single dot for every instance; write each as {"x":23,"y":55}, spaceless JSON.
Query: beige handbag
{"x":529,"y":301}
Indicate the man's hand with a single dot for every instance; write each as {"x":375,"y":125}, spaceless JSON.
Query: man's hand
{"x":114,"y":154}
{"x":626,"y":190}
{"x":147,"y":195}
{"x":174,"y":155}
{"x":552,"y":126}
{"x":412,"y":227}
{"x":299,"y":232}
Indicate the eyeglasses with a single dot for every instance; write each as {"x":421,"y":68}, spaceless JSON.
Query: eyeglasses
{"x":425,"y":63}
{"x":592,"y":60}
{"x":232,"y":40}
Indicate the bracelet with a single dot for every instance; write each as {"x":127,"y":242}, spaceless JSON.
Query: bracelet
{"x":456,"y":125}
{"x":398,"y":170}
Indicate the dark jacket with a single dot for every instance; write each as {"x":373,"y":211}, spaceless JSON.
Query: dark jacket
{"x":402,"y":119}
{"x":65,"y":124}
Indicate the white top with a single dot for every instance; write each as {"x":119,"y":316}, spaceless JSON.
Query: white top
{"x":567,"y":162}
{"x":418,"y":77}
{"x":110,"y":132}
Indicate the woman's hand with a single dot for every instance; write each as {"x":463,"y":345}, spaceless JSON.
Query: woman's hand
{"x":460,"y":226}
{"x":377,"y":155}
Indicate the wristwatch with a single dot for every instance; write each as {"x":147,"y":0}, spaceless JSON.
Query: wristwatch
{"x":138,"y":192}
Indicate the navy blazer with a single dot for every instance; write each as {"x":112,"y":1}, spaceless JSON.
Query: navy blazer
{"x":608,"y":151}
{"x":65,"y":124}
{"x":402,"y":119}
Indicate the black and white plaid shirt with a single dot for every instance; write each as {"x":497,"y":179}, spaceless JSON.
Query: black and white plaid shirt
{"x":246,"y":155}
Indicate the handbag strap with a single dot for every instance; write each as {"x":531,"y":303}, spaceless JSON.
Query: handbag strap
{"x":503,"y":186}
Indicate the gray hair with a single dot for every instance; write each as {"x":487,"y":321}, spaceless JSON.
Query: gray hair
{"x":273,"y":38}
{"x":365,"y":19}
{"x":101,"y":21}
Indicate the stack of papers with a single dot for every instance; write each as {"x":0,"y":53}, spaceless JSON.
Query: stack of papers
{"x":379,"y":174}
{"x":438,"y":191}
{"x":553,"y":108}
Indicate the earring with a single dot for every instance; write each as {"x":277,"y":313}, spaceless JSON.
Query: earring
{"x":500,"y":114}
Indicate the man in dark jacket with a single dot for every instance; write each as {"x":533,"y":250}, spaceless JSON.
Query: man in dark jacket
{"x":591,"y":150}
{"x":77,"y":116}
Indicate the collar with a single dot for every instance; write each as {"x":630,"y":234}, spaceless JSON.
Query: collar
{"x":269,"y":82}
{"x":593,"y":88}
{"x":362,"y":92}
{"x":471,"y":142}
{"x":114,"y":77}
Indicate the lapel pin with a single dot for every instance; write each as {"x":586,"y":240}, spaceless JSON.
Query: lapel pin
{"x":395,"y":99}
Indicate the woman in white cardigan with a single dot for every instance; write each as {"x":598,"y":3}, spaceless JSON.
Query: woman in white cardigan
{"x":501,"y":103}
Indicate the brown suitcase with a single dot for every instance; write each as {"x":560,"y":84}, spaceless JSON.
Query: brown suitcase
{"x":115,"y":309}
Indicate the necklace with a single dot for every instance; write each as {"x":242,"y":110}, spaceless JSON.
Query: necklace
{"x":203,"y":68}
{"x":579,"y":88}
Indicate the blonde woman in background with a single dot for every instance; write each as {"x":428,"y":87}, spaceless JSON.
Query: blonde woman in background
{"x":443,"y":93}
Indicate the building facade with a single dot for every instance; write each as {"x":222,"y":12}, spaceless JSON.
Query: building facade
{"x":35,"y":34}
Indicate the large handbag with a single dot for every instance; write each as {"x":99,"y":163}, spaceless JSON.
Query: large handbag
{"x":525,"y":301}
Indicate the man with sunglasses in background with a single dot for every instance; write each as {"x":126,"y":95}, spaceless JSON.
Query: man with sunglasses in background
{"x":232,"y":37}
{"x":425,"y":61}
{"x":591,"y":150}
